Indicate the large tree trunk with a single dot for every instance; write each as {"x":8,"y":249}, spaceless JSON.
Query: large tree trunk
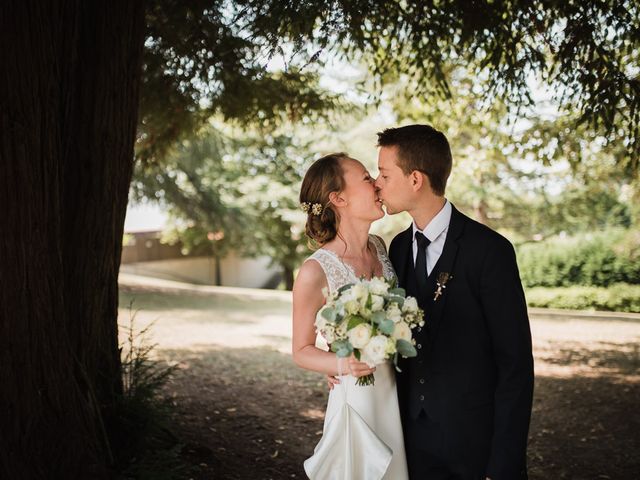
{"x":68,"y":109}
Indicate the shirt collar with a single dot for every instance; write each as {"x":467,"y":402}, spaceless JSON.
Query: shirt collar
{"x":437,"y":225}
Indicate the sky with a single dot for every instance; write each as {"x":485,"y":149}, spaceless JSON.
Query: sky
{"x":144,"y":217}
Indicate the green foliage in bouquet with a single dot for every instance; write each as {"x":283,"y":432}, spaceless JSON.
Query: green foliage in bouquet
{"x":371,"y":320}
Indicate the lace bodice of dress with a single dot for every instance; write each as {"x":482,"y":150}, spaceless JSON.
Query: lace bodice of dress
{"x":339,"y":273}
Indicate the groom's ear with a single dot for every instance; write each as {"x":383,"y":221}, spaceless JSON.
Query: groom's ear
{"x":417,"y":180}
{"x":336,"y":199}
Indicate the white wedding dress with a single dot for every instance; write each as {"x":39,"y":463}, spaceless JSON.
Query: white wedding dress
{"x":362,"y":434}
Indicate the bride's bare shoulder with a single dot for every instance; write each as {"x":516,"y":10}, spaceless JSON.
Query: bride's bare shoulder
{"x":311,"y":275}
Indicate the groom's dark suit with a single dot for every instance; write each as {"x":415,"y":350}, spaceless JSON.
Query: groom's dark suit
{"x":465,"y":401}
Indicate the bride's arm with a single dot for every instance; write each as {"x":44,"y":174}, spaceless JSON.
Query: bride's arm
{"x":307,"y":300}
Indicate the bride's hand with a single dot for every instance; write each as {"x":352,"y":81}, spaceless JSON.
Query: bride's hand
{"x":359,"y":369}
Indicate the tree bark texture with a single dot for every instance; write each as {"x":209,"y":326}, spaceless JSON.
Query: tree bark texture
{"x":69,"y":81}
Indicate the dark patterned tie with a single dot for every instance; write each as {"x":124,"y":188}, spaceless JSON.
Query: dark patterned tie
{"x":421,"y":261}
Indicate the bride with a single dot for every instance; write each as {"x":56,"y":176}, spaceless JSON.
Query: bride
{"x":365,"y":442}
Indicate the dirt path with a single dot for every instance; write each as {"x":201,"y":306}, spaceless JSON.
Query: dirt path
{"x":246,"y":412}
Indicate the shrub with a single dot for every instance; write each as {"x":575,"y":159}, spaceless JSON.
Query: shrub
{"x":619,"y":297}
{"x":593,"y":259}
{"x":143,"y":445}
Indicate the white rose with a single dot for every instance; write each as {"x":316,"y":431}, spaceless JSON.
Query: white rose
{"x":377,"y":303}
{"x":410,"y":305}
{"x":347,"y":295}
{"x":352,"y":306}
{"x":394,"y":313}
{"x":378,"y":286}
{"x":401,"y":331}
{"x":359,"y":335}
{"x":375,"y":352}
{"x":360,"y":292}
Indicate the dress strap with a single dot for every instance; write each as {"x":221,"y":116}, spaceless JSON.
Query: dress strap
{"x":336,"y":272}
{"x":377,"y":242}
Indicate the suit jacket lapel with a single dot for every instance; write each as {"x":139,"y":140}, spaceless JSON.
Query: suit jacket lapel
{"x":445,"y":264}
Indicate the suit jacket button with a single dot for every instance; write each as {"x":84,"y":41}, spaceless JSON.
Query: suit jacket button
{"x":419,"y":346}
{"x":422,"y":398}
{"x":419,"y":329}
{"x":421,"y":380}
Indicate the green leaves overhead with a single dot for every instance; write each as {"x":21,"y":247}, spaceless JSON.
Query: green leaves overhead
{"x":203,"y":58}
{"x":257,"y":61}
{"x":587,"y":53}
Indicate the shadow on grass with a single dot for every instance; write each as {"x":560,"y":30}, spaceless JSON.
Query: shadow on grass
{"x":584,"y":428}
{"x":622,"y":358}
{"x":256,"y":415}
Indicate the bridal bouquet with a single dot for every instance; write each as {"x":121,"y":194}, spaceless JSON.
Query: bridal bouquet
{"x":371,"y":319}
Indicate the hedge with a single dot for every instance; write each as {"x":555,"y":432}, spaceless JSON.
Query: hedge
{"x":596,"y":259}
{"x":619,"y":297}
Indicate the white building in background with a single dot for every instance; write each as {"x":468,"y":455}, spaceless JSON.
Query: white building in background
{"x":143,"y":254}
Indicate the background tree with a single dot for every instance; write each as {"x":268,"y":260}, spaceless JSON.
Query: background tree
{"x":198,"y":188}
{"x":274,"y":166}
{"x":531,"y":176}
{"x":232,"y":192}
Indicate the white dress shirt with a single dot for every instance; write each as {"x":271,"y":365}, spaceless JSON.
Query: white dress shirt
{"x":436,"y":232}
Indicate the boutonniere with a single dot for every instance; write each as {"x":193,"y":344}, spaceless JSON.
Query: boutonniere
{"x":441,"y":283}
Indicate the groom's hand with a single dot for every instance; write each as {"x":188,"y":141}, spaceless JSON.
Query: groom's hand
{"x":332,"y":380}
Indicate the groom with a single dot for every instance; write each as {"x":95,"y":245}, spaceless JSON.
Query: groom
{"x":465,"y":400}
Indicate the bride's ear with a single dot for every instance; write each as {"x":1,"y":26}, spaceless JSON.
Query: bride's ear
{"x":336,"y":199}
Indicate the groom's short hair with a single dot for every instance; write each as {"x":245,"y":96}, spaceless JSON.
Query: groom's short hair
{"x":422,"y":148}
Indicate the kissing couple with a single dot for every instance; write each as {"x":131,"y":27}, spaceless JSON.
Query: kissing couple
{"x":460,"y":409}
